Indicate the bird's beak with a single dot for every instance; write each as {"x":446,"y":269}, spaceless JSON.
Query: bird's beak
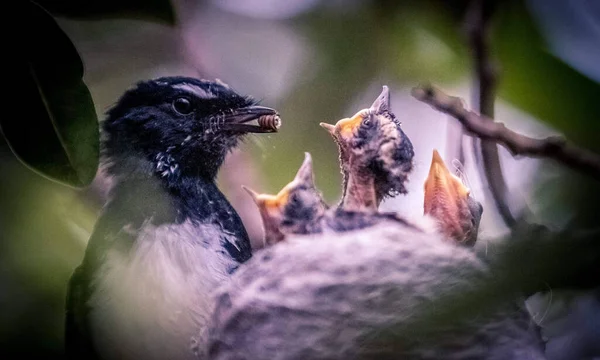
{"x":441,"y":185}
{"x":444,"y":192}
{"x":267,"y":120}
{"x":330,"y":128}
{"x":270,"y":213}
{"x":305,"y":173}
{"x":253,"y":194}
{"x":346,"y":127}
{"x":269,"y":205}
{"x":382,"y":103}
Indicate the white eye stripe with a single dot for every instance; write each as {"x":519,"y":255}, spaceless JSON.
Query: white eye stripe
{"x":196,"y":91}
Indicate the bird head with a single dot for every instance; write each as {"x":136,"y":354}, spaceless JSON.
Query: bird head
{"x":295,"y":209}
{"x":449,"y":202}
{"x":177,"y":125}
{"x":372,"y":141}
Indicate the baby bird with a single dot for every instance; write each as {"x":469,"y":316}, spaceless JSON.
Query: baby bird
{"x":450,"y":203}
{"x":337,"y":289}
{"x":318,"y":296}
{"x":299,"y":208}
{"x":376,"y":156}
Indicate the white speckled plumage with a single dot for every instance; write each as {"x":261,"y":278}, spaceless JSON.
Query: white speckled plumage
{"x":153,"y":300}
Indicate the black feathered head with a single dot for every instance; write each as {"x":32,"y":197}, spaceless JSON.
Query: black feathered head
{"x":178,"y":125}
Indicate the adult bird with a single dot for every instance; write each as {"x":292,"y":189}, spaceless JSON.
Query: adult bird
{"x":298,"y":208}
{"x":168,"y":236}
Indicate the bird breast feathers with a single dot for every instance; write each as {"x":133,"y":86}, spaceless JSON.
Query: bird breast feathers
{"x":154,"y":297}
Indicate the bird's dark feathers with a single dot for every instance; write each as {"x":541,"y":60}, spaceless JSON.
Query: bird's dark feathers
{"x":78,"y":341}
{"x":218,"y":96}
{"x":145,"y":124}
{"x":341,"y":220}
{"x":153,"y":150}
{"x":164,"y":165}
{"x":391,"y":172}
{"x":303,"y":209}
{"x":475,"y":212}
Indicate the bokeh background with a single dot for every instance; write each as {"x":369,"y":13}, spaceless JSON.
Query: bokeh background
{"x":314,"y":61}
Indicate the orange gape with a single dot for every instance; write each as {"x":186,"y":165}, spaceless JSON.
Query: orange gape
{"x":446,"y":199}
{"x":270,"y":209}
{"x":271,"y":203}
{"x":348,"y":125}
{"x":279,"y":213}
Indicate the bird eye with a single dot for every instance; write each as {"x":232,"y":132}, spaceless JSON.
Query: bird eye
{"x":182,"y":106}
{"x":294,"y":199}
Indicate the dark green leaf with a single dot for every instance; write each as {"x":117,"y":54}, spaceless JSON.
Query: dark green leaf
{"x":56,"y":133}
{"x":152,"y":10}
{"x":541,"y":84}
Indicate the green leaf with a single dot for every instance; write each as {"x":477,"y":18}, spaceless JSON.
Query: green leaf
{"x":57,"y":133}
{"x":540,"y":83}
{"x":152,"y":10}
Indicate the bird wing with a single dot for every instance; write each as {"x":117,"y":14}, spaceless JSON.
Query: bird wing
{"x":78,"y":343}
{"x":107,"y":231}
{"x":78,"y":338}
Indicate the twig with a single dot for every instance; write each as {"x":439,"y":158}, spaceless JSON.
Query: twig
{"x":552,"y":147}
{"x":477,"y":25}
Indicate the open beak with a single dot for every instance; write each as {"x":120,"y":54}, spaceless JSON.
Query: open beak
{"x":330,"y":128}
{"x":267,"y":120}
{"x":270,"y":213}
{"x":446,"y":200}
{"x":346,"y":127}
{"x":442,"y":188}
{"x":382,"y":103}
{"x":269,"y":205}
{"x":305,"y":173}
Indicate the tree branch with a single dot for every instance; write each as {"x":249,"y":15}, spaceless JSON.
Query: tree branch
{"x":555,"y":148}
{"x":477,"y":25}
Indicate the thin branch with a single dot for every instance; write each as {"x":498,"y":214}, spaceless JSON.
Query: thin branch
{"x":477,"y":26}
{"x":553,"y":147}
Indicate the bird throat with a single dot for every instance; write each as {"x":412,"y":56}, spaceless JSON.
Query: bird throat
{"x":179,"y":199}
{"x":360,"y":194}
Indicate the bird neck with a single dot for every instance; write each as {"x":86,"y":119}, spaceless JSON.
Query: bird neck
{"x":359,"y":193}
{"x":195,"y":199}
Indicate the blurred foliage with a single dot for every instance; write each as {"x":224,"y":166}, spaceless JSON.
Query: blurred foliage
{"x":537,"y":81}
{"x":150,"y":10}
{"x":45,"y":227}
{"x":382,"y":43}
{"x":65,"y":143}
